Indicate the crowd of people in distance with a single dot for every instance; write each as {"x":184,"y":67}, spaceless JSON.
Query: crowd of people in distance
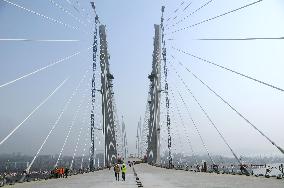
{"x":236,"y":169}
{"x":10,"y":178}
{"x":15,"y":177}
{"x":60,"y":173}
{"x":270,"y":168}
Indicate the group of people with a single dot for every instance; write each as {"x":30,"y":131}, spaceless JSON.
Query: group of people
{"x":269,"y":169}
{"x":10,"y":178}
{"x":117,"y":170}
{"x":60,"y":172}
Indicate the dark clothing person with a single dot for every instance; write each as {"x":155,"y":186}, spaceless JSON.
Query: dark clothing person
{"x":116,"y":172}
{"x":116,"y":176}
{"x":281,"y":168}
{"x":123,"y":176}
{"x":215,"y":168}
{"x":66,"y":171}
{"x":267,"y":172}
{"x":242,"y":168}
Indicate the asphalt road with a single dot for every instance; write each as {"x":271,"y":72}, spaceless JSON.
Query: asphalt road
{"x":100,"y":179}
{"x":154,"y":177}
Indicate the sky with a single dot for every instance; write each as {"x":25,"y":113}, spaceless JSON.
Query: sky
{"x":130,"y":31}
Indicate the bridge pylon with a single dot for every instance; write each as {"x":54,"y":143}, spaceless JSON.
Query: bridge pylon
{"x":93,"y":95}
{"x":107,"y":100}
{"x":109,"y":117}
{"x":153,"y":151}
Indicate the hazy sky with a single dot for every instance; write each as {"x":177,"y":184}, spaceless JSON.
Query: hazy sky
{"x":130,"y":31}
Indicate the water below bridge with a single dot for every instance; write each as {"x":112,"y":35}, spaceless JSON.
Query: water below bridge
{"x":156,"y":177}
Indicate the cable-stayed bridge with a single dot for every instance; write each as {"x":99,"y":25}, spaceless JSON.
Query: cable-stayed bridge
{"x":164,"y":138}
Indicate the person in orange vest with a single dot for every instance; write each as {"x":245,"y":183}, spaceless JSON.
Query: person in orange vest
{"x":57,"y":172}
{"x":62,"y":172}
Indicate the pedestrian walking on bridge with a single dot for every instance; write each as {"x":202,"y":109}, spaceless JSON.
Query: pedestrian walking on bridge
{"x":116,"y":172}
{"x":66,"y":171}
{"x":123,"y":171}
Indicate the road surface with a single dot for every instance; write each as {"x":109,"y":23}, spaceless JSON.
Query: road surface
{"x":154,"y":177}
{"x":100,"y":179}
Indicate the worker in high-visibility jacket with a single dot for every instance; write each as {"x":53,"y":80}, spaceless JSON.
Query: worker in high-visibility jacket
{"x":123,"y":171}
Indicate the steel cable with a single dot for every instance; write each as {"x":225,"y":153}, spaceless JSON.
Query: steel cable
{"x":43,"y":68}
{"x":240,"y":39}
{"x":57,"y":121}
{"x":192,"y":13}
{"x":44,"y":16}
{"x":33,"y":111}
{"x":207,"y":116}
{"x":218,"y":16}
{"x":194,"y":124}
{"x":234,"y":109}
{"x":230,"y":70}
{"x":74,"y":119}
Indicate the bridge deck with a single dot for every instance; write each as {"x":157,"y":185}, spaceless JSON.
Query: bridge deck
{"x":156,"y":177}
{"x":103,"y":178}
